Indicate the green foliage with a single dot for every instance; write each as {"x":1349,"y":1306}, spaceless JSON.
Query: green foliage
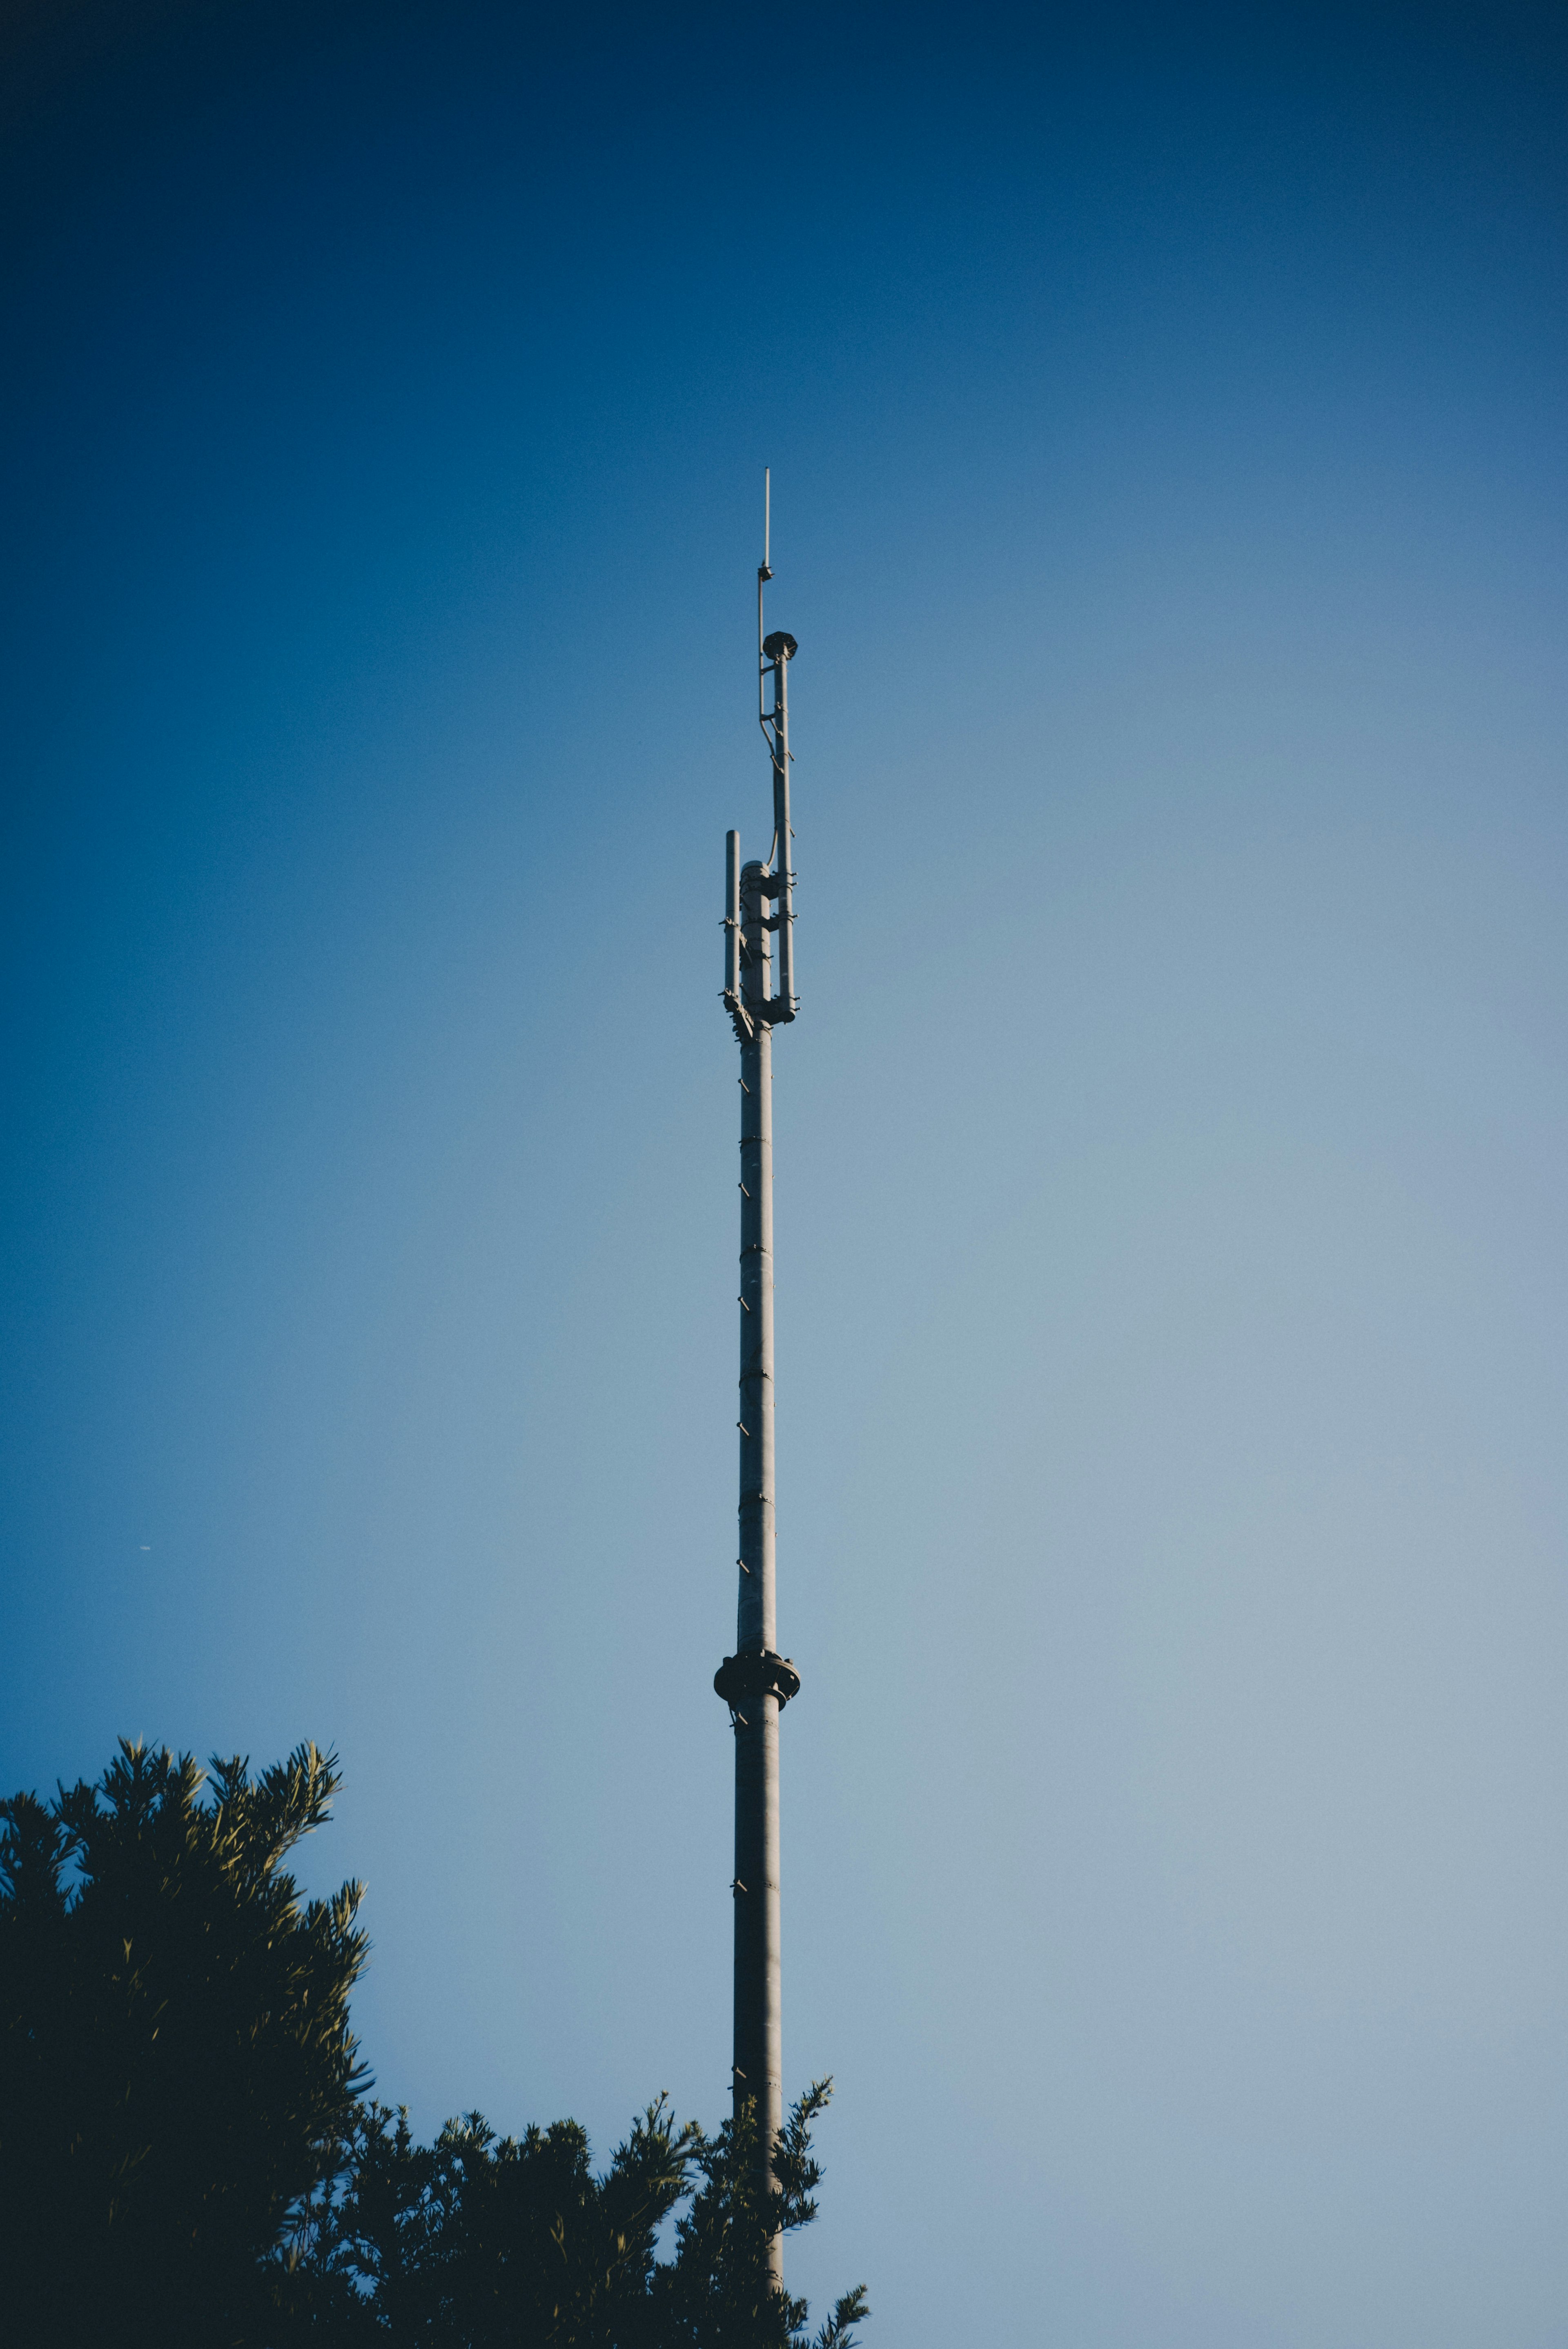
{"x":477,"y":2240}
{"x":719,"y":2291}
{"x":185,"y":2159}
{"x":176,"y":2064}
{"x":480,"y":2243}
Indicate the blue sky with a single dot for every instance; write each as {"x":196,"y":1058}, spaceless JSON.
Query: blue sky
{"x":1166,"y":417}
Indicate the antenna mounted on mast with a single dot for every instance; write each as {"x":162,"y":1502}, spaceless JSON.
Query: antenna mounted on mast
{"x":764,"y":569}
{"x":774,"y":653}
{"x":745,"y":944}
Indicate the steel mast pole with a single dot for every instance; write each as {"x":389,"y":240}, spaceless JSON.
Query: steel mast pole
{"x":756,"y":1682}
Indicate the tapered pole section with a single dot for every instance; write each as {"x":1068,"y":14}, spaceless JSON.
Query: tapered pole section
{"x":757,"y":1681}
{"x":758,"y":2013}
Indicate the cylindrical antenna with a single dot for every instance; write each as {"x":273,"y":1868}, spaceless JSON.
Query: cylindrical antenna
{"x":763,"y":574}
{"x":774,"y":655}
{"x":783,"y":866}
{"x":732,"y":920}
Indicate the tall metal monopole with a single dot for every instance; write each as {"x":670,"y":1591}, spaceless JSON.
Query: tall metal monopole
{"x":756,"y":1682}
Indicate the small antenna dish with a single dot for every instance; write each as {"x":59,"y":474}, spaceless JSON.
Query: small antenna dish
{"x":780,"y":643}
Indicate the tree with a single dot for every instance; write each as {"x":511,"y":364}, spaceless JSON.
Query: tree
{"x":185,"y":2157}
{"x":480,"y":2243}
{"x":177,"y":2069}
{"x":719,"y":2290}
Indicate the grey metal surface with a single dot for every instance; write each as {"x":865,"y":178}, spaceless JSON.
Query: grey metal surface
{"x":732,"y":919}
{"x":756,"y":1683}
{"x":783,"y":648}
{"x":759,"y":2003}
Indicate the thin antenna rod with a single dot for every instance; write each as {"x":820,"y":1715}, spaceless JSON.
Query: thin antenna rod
{"x":765,"y":573}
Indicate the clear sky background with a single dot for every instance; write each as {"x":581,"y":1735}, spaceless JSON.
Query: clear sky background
{"x":1167,"y":419}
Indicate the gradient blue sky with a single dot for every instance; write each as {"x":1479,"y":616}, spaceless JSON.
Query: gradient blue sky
{"x":1167,"y":419}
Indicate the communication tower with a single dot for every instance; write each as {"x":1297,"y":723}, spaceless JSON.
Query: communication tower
{"x":756,"y":1682}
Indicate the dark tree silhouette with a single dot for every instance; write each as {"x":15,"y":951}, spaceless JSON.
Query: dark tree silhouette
{"x":185,"y":2159}
{"x":177,"y":2068}
{"x":719,"y":2291}
{"x":476,"y":2243}
{"x":478,"y":2240}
